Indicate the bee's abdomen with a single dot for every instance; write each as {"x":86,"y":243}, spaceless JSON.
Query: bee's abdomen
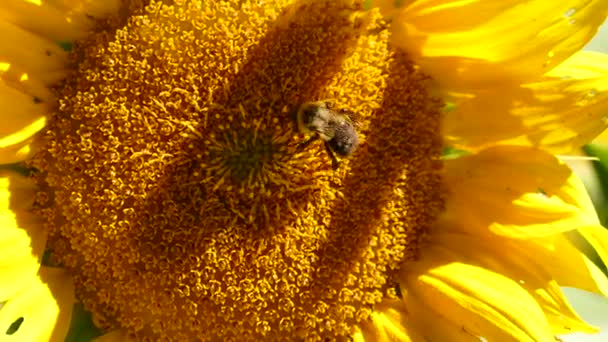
{"x":345,"y":140}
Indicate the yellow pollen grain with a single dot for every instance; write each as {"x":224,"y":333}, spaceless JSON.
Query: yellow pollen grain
{"x":180,"y":200}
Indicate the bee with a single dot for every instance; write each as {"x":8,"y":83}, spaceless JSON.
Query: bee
{"x":319,"y":121}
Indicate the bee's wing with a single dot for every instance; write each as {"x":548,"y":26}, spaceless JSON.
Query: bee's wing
{"x":326,"y":131}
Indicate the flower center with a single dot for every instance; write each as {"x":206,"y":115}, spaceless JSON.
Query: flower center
{"x":245,"y":158}
{"x":183,"y":202}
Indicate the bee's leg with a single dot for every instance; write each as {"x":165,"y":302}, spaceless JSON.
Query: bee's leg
{"x":334,"y":161}
{"x":303,"y":145}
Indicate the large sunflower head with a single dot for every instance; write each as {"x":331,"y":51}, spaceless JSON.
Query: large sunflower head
{"x":207,"y":219}
{"x":179,"y":194}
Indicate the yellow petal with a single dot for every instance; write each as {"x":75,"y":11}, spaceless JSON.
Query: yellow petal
{"x":602,"y":138}
{"x":98,"y":9}
{"x":474,"y":43}
{"x":559,"y":257}
{"x":597,"y":236}
{"x":483,"y":303}
{"x":560,"y":112}
{"x":409,"y":319}
{"x":18,"y":264}
{"x":15,"y":77}
{"x":566,"y":264}
{"x":45,"y":19}
{"x":434,"y":323}
{"x":517,"y":192}
{"x":386,"y":324}
{"x":45,"y":308}
{"x":16,"y":193}
{"x":33,"y":52}
{"x":22,"y":116}
{"x":29,"y":81}
{"x":22,"y":238}
{"x":24,"y":106}
{"x":18,"y":152}
{"x":507,"y":257}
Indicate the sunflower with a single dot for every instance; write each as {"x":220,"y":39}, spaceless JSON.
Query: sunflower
{"x":171,"y":190}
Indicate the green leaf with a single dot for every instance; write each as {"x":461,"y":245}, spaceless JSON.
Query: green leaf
{"x":453,"y":153}
{"x":66,"y":46}
{"x":82,"y":328}
{"x":448,"y":107}
{"x":600,"y":151}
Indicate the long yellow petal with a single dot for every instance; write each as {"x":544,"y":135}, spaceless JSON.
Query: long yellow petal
{"x":597,"y":236}
{"x":34,"y":86}
{"x":31,"y":82}
{"x":519,"y":192}
{"x":31,"y":60}
{"x":483,"y":303}
{"x":22,"y":115}
{"x":18,"y":152}
{"x":560,"y":112}
{"x":18,"y":263}
{"x":98,"y":9}
{"x":474,"y":43}
{"x":505,"y":256}
{"x":387,"y":323}
{"x":426,"y":319}
{"x":22,"y":239}
{"x":559,"y":257}
{"x":24,"y":107}
{"x":566,"y":264}
{"x":60,"y":20}
{"x":32,"y":51}
{"x":51,"y":21}
{"x":44,"y":308}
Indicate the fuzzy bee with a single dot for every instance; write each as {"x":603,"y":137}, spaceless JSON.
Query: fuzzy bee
{"x":319,"y":121}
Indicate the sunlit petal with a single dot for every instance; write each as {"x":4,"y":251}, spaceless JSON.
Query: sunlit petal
{"x":597,"y":236}
{"x":560,"y":112}
{"x":44,"y":308}
{"x":519,"y":192}
{"x":22,"y":238}
{"x":474,"y":43}
{"x":387,"y":323}
{"x":511,"y":259}
{"x":503,"y":311}
{"x":57,"y":24}
{"x":39,"y":54}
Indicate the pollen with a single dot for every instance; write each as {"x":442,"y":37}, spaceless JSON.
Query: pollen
{"x":178,"y":197}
